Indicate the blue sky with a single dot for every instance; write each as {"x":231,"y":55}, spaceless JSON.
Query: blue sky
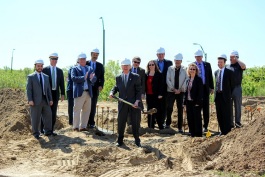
{"x":36,"y":28}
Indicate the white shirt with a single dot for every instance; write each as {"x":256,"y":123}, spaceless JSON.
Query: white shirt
{"x":55,"y":75}
{"x":221,"y":84}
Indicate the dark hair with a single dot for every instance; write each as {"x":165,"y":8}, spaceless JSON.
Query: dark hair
{"x":136,"y":58}
{"x":219,"y":58}
{"x":156,"y":67}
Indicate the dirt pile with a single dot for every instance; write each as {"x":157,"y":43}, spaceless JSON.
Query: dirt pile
{"x":14,"y":112}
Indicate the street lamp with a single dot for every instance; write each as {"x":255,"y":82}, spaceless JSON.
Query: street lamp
{"x":205,"y":54}
{"x":103,"y":40}
{"x":12,"y":59}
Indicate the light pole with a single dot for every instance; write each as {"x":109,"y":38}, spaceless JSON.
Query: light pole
{"x":205,"y":54}
{"x":12,"y":59}
{"x":103,"y":40}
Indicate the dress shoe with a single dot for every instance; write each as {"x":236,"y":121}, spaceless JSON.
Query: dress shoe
{"x":37,"y":136}
{"x":239,"y":125}
{"x":119,"y":144}
{"x":54,"y":134}
{"x":83,"y":129}
{"x":48,"y":133}
{"x":75,"y":129}
{"x":138,"y":144}
{"x":180,"y":131}
{"x":205,"y":130}
{"x":167,"y":126}
{"x":92,"y":126}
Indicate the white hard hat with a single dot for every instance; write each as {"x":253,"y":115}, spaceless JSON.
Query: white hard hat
{"x":198,"y":53}
{"x":95,"y":50}
{"x":126,"y":61}
{"x":234,"y":53}
{"x":178,"y":56}
{"x":81,"y":55}
{"x":223,"y":56}
{"x":39,"y":61}
{"x":160,"y":50}
{"x":53,"y":55}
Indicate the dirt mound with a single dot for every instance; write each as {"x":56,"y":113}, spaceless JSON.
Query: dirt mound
{"x":14,"y":112}
{"x":244,"y":149}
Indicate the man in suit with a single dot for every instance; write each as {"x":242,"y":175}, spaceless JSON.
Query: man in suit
{"x":163,"y":65}
{"x":237,"y":66}
{"x":98,"y":85}
{"x":83,"y":78}
{"x":128,"y":85}
{"x":208,"y":86}
{"x":141,"y":72}
{"x":56,"y":79}
{"x":223,"y":94}
{"x":40,"y":99}
{"x":176,"y":87}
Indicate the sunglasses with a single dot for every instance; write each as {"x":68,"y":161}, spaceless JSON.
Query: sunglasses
{"x":151,"y":65}
{"x":54,"y":58}
{"x":136,"y":62}
{"x":192,"y":69}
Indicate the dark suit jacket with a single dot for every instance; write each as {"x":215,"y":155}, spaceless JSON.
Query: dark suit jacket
{"x":34,"y":90}
{"x":99,"y":72}
{"x":208,"y":75}
{"x":228,"y":84}
{"x":78,"y":79}
{"x":141,"y":73}
{"x":131,"y":92}
{"x":69,"y":81}
{"x":167,"y":63}
{"x":157,"y":87}
{"x":60,"y":88}
{"x":196,"y":92}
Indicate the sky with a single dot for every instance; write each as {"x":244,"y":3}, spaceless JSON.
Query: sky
{"x":36,"y":28}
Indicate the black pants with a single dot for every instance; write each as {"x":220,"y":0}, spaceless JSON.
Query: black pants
{"x":194,"y":119}
{"x":70,"y":100}
{"x":94,"y":100}
{"x":171,"y":98}
{"x":53,"y":108}
{"x":205,"y":106}
{"x":161,"y":111}
{"x":151,"y":100}
{"x":124,"y":111}
{"x":223,"y":113}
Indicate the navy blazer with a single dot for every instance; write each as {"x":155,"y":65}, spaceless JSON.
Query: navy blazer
{"x":78,"y":79}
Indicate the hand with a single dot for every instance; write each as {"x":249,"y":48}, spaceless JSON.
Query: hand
{"x":135,"y":105}
{"x":177,"y":91}
{"x":211,"y":91}
{"x":159,"y":97}
{"x":86,"y":75}
{"x":62,"y":98}
{"x":100,"y":88}
{"x":110,"y":96}
{"x":91,"y":75}
{"x":143,"y":96}
{"x":51,"y":103}
{"x":31,"y":103}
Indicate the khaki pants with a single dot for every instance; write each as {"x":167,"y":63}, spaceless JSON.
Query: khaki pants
{"x":81,"y":105}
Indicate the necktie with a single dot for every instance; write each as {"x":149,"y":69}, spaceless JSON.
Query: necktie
{"x":219,"y":80}
{"x":134,"y":70}
{"x":53,"y":78}
{"x":93,"y":66}
{"x":200,"y":68}
{"x":41,"y":84}
{"x":125,"y":80}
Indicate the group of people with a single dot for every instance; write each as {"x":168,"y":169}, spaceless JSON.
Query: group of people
{"x":162,"y":84}
{"x":46,"y":85}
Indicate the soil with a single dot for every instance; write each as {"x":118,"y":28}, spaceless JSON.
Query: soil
{"x":164,"y":153}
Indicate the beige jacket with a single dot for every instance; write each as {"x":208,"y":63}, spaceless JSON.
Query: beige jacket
{"x":183,"y":77}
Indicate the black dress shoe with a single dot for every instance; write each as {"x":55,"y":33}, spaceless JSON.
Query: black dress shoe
{"x":48,"y":133}
{"x":37,"y":136}
{"x":54,"y":134}
{"x":119,"y":144}
{"x":138,"y":144}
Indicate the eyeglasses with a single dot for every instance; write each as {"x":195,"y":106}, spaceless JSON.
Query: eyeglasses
{"x":54,"y":58}
{"x":192,"y":69}
{"x":136,"y":62}
{"x":151,"y":65}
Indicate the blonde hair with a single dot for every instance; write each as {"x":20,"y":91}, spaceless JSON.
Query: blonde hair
{"x":193,"y":65}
